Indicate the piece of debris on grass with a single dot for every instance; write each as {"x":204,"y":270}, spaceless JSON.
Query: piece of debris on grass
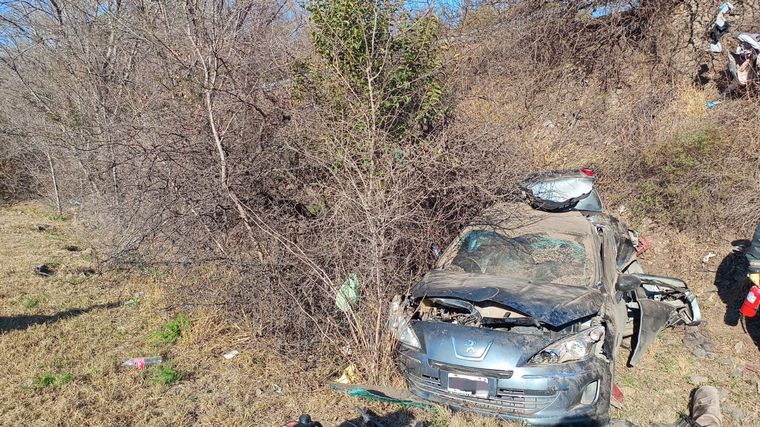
{"x":348,"y":294}
{"x":72,"y":248}
{"x":231,"y":355}
{"x":42,"y":227}
{"x":349,"y":376}
{"x":44,"y":270}
{"x":617,"y":397}
{"x":697,"y":341}
{"x":391,"y":395}
{"x":706,"y":258}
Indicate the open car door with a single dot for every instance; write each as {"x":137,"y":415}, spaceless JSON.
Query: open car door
{"x":661,"y":302}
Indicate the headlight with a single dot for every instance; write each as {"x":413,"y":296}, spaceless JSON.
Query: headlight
{"x":399,"y":325}
{"x":569,"y":349}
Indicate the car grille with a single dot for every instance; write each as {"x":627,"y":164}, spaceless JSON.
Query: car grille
{"x":506,"y":401}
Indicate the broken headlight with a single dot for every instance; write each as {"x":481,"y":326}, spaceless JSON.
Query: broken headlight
{"x":399,"y":324}
{"x":572,"y":348}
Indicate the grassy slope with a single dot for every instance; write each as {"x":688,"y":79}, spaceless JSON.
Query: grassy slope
{"x":43,"y":340}
{"x":61,"y":366}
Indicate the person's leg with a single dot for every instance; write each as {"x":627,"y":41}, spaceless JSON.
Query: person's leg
{"x":705,"y":407}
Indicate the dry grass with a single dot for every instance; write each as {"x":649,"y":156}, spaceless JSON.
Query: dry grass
{"x":62,"y":365}
{"x":63,"y":369}
{"x":658,"y":389}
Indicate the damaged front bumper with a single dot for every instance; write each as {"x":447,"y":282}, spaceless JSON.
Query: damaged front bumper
{"x":575,"y":393}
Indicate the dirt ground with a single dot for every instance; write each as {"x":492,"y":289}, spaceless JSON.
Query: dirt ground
{"x":64,"y":336}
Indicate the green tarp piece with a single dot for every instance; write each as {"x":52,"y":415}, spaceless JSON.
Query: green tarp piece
{"x":348,"y":294}
{"x":382,"y":394}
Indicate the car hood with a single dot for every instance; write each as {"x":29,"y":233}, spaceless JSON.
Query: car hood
{"x":550,"y":303}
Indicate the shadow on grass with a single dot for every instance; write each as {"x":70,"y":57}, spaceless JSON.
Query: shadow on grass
{"x":401,"y":417}
{"x":733,"y":286}
{"x":17,"y":323}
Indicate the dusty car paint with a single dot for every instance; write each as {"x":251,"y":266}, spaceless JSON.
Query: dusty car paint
{"x":470,"y":361}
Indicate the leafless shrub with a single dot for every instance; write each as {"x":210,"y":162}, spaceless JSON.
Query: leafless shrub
{"x":175,"y":129}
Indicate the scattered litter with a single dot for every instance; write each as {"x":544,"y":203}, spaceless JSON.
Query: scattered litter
{"x":346,"y":350}
{"x":348,"y":294}
{"x":43,"y":270}
{"x":142,"y":362}
{"x":712,"y":104}
{"x":382,"y":394}
{"x":73,"y":248}
{"x":706,"y":258}
{"x":349,"y":375}
{"x":42,"y":227}
{"x":720,"y":27}
{"x":738,"y":347}
{"x":643,"y":246}
{"x":277,"y":389}
{"x":231,"y":355}
{"x":617,"y":396}
{"x":549,"y":124}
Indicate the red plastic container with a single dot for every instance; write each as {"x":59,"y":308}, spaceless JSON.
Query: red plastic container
{"x":751,"y":303}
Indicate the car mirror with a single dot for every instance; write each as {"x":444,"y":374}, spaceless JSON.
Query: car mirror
{"x":436,"y":250}
{"x":627,"y":283}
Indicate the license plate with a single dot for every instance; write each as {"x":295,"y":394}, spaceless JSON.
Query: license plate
{"x":468,"y":385}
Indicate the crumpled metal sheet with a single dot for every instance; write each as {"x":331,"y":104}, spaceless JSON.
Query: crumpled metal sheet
{"x":553,"y":304}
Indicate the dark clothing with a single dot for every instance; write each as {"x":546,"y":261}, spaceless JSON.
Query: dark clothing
{"x":753,"y":254}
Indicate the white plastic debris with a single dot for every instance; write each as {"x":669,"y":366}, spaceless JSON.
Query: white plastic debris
{"x":706,"y":258}
{"x":231,"y":355}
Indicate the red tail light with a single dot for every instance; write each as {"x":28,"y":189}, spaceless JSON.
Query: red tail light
{"x":587,"y":171}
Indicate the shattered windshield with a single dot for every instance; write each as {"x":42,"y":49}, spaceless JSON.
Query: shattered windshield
{"x":535,"y":258}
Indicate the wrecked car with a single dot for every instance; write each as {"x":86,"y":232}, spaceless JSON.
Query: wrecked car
{"x":523,"y":315}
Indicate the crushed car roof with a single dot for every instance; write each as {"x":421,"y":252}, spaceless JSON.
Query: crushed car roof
{"x":520,"y":218}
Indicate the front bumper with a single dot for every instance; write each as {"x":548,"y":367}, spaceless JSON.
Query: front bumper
{"x":539,"y":395}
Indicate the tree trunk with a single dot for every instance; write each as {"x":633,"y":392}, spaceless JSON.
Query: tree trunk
{"x":55,"y":183}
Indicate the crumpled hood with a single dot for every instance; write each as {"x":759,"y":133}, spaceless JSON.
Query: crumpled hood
{"x":549,"y":303}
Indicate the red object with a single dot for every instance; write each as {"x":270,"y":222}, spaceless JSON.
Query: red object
{"x":751,"y":303}
{"x":587,"y":171}
{"x":643,"y":246}
{"x":617,"y":396}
